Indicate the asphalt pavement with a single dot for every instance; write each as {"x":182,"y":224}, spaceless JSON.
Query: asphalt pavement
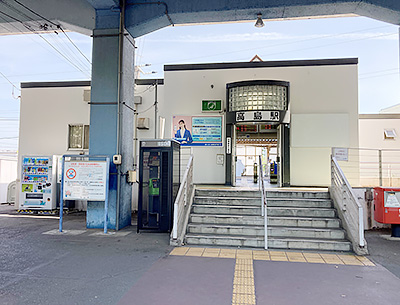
{"x":39,"y":265}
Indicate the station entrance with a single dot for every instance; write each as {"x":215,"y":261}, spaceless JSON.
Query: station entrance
{"x":253,"y":141}
{"x":250,"y":141}
{"x":257,"y":124}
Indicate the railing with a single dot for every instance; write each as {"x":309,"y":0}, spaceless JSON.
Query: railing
{"x":182,"y":205}
{"x":349,"y":209}
{"x":366,"y":167}
{"x":264,"y":211}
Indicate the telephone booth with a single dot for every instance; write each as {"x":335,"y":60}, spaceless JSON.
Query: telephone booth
{"x":159,"y":180}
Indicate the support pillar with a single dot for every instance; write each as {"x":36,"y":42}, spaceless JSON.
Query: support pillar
{"x":112,"y":120}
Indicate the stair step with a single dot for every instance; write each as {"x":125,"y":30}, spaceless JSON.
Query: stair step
{"x":272,"y":220}
{"x":272,"y":211}
{"x":256,"y":193}
{"x":298,"y":194}
{"x":297,"y":202}
{"x":273,"y":243}
{"x":227,"y":200}
{"x":272,"y":202}
{"x":226,"y":209}
{"x":304,"y":222}
{"x":227,"y":219}
{"x":227,"y":193}
{"x":272,"y":231}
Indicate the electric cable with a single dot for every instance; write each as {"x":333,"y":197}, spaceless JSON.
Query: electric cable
{"x":28,"y":27}
{"x":57,"y":25}
{"x":9,"y":81}
{"x":41,"y":36}
{"x":279,"y":44}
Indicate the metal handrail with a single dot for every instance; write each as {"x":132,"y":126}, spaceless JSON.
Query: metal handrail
{"x":263,"y":203}
{"x":350,"y":210}
{"x":182,"y":205}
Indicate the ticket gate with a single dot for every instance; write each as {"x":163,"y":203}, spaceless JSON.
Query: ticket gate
{"x":159,"y":180}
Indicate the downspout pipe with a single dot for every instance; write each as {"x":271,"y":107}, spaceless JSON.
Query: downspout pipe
{"x":119,"y":127}
{"x":155,"y":110}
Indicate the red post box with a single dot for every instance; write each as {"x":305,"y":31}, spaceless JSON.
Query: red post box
{"x":387,"y":207}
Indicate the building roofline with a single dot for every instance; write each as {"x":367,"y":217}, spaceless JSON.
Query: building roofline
{"x":379,"y":116}
{"x":264,"y":64}
{"x":82,"y":83}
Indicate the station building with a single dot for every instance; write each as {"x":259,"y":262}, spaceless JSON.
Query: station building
{"x":291,"y":112}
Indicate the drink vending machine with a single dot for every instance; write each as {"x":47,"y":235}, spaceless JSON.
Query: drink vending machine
{"x":38,"y":183}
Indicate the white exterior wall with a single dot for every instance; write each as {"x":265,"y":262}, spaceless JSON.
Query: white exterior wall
{"x":8,"y":173}
{"x":323,"y":106}
{"x":44,"y":118}
{"x":372,"y":128}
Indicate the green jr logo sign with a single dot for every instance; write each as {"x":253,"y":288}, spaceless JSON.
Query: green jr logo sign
{"x":208,"y":105}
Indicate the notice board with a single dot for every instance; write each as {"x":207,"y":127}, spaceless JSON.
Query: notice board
{"x":85,"y":180}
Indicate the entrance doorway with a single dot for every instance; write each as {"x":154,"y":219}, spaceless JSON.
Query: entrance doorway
{"x":253,"y":141}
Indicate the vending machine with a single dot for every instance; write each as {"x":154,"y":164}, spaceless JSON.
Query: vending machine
{"x":38,"y":183}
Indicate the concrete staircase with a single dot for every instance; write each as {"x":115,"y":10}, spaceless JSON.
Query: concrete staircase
{"x":301,"y":220}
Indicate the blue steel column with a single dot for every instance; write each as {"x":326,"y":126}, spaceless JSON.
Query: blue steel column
{"x":104,"y":120}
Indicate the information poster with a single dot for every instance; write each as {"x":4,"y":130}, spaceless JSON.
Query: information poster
{"x":85,"y":180}
{"x":198,"y":130}
{"x":341,"y":154}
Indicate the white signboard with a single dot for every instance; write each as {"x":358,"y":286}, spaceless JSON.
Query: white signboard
{"x":391,"y":200}
{"x":341,"y":154}
{"x":243,"y":116}
{"x":85,"y":180}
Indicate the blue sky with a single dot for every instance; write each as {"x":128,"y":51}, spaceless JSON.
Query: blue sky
{"x":30,"y":58}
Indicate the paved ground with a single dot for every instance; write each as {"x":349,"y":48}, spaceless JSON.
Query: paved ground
{"x":84,"y":267}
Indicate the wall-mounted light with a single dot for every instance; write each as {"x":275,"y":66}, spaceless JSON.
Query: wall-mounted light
{"x":259,"y":22}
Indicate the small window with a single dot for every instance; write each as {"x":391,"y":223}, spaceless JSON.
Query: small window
{"x":78,"y":136}
{"x":390,"y":134}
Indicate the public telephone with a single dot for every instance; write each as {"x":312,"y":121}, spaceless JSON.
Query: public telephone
{"x":158,"y":183}
{"x":154,"y":187}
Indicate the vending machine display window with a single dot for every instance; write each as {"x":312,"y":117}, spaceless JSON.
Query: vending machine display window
{"x":38,"y":183}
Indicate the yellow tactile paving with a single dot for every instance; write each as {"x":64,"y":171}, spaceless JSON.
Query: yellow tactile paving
{"x":179,"y":251}
{"x":227,"y":253}
{"x":278,"y":256}
{"x":211,"y":252}
{"x":243,"y":299}
{"x":243,"y":289}
{"x":243,"y":281}
{"x":365,"y":261}
{"x":244,"y":254}
{"x":314,"y":258}
{"x":195,"y":252}
{"x":247,"y":256}
{"x":296,"y":257}
{"x":246,"y":273}
{"x":350,"y":260}
{"x":261,"y":255}
{"x":332,"y":259}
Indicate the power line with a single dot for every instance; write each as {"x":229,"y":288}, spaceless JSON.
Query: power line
{"x":281,"y":44}
{"x":57,"y":25}
{"x":330,"y":44}
{"x":9,"y":81}
{"x":41,"y":36}
{"x":8,"y":138}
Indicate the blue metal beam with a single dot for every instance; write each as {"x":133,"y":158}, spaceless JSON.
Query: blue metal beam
{"x":145,"y":16}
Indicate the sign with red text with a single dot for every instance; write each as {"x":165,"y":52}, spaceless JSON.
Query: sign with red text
{"x":85,"y":180}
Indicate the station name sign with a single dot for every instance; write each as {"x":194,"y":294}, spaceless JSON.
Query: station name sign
{"x":254,"y":116}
